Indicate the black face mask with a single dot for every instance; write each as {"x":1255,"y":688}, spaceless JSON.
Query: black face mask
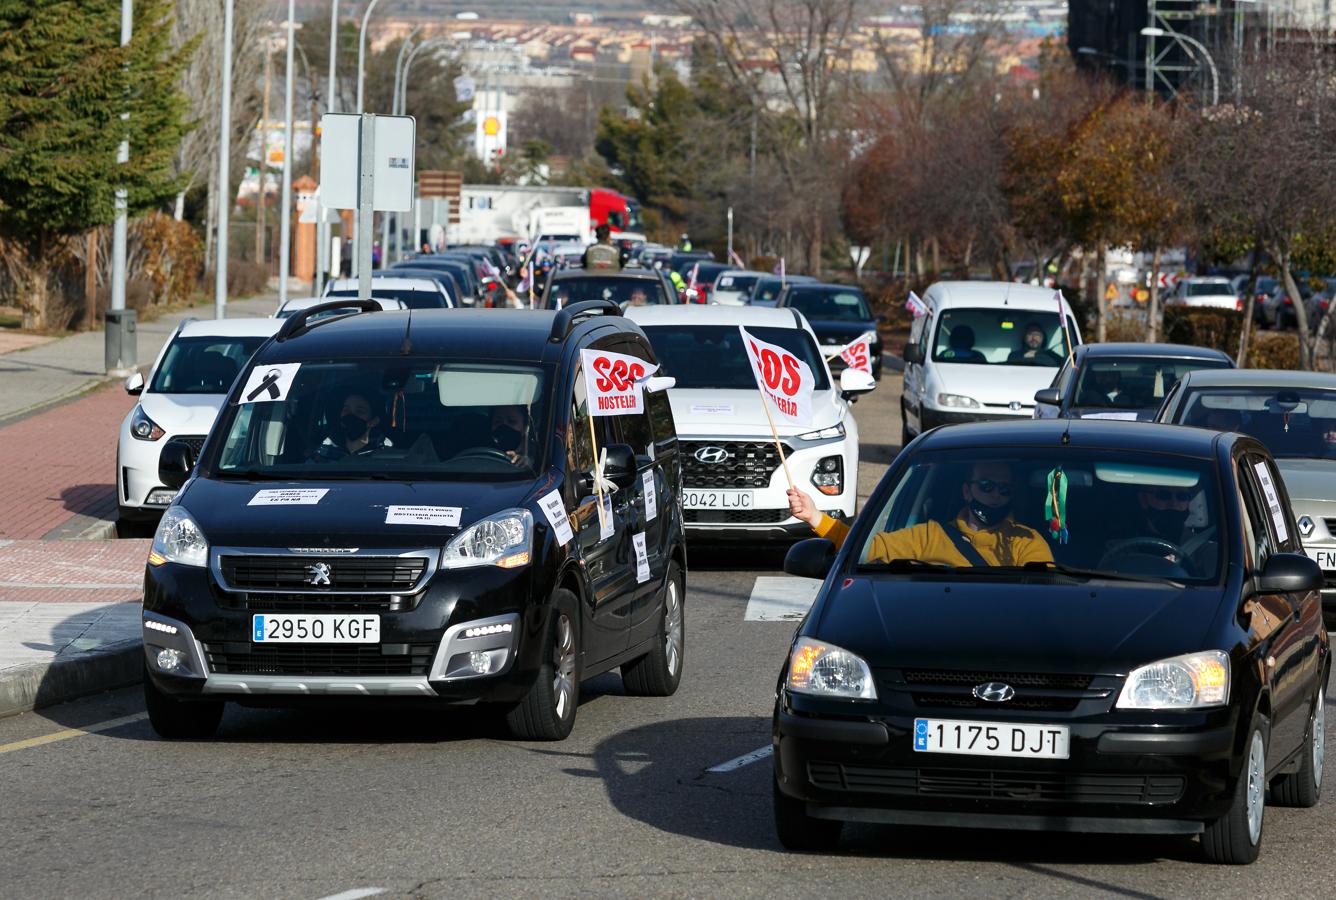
{"x":353,"y":426}
{"x":989,"y":515}
{"x":506,"y":438}
{"x":1168,"y":523}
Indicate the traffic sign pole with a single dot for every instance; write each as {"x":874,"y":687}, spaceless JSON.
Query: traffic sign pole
{"x":366,"y":198}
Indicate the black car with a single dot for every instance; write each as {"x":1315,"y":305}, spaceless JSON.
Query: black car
{"x":461,"y":269}
{"x":766,"y":291}
{"x":440,"y":276}
{"x":381,"y":512}
{"x":1058,"y":625}
{"x":628,"y":287}
{"x":838,"y":314}
{"x":1121,"y":381}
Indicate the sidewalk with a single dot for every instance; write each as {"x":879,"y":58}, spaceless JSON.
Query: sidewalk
{"x":69,"y":609}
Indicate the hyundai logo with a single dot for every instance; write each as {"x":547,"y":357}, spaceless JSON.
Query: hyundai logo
{"x":1305,"y":526}
{"x":318,"y":574}
{"x":712,"y":455}
{"x":994,"y":692}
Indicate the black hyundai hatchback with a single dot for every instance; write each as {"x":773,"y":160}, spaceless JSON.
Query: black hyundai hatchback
{"x":1085,"y":626}
{"x":402,"y":505}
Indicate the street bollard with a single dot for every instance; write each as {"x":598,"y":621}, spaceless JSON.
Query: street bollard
{"x":122,"y":344}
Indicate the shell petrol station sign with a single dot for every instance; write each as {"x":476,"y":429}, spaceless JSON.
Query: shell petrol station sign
{"x":489,"y":137}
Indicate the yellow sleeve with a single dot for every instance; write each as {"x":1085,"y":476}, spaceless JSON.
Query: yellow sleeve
{"x":1033,"y":548}
{"x":907,"y":543}
{"x":832,"y":530}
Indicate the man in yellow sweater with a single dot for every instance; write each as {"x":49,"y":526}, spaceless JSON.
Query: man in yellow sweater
{"x":984,"y":531}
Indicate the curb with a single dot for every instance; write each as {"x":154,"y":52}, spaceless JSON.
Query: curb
{"x":36,"y":685}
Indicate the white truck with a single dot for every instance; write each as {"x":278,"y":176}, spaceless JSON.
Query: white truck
{"x":488,"y":212}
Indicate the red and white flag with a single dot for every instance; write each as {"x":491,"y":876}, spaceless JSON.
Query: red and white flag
{"x":615,"y":382}
{"x":785,"y":381}
{"x":857,"y":354}
{"x":691,"y":279}
{"x":916,"y":306}
{"x":736,"y":260}
{"x":779,"y":268}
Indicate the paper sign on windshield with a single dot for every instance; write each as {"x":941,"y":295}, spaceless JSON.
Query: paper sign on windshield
{"x":615,"y":382}
{"x":446,"y":516}
{"x":784,"y":380}
{"x":857,"y":354}
{"x":268,"y":383}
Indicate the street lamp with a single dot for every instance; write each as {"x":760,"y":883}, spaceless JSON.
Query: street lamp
{"x":224,"y":175}
{"x":394,"y":110}
{"x":322,"y":229}
{"x":285,"y":216}
{"x":1192,"y":42}
{"x":361,"y":54}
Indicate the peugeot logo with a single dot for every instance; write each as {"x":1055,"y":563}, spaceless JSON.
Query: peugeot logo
{"x":712,"y":455}
{"x":318,"y":574}
{"x":994,"y":692}
{"x":1305,"y":526}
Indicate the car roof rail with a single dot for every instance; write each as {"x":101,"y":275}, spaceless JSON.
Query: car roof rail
{"x":569,"y":316}
{"x":299,"y":323}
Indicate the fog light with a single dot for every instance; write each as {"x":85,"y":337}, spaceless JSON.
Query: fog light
{"x":480,"y":661}
{"x":154,"y":625}
{"x":170,"y":660}
{"x":480,"y":631}
{"x":160,"y":496}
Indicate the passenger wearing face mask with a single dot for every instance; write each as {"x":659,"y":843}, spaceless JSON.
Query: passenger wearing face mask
{"x":357,"y":433}
{"x":510,"y":433}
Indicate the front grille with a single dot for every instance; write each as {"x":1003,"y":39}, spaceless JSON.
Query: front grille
{"x":993,"y":784}
{"x":1015,"y":679}
{"x":346,"y":573}
{"x":1020,"y":701}
{"x":1035,"y":691}
{"x":338,"y":603}
{"x":734,"y":516}
{"x":748,"y":464}
{"x":194,"y":441}
{"x":316,"y":659}
{"x":1331,"y":525}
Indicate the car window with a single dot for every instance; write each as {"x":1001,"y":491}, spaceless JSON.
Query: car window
{"x":660,"y":411}
{"x":1132,"y":383}
{"x":1291,"y":422}
{"x":998,"y":337}
{"x":1207,"y":288}
{"x":625,"y":292}
{"x":742,"y":283}
{"x":1257,"y":532}
{"x":836,"y":305}
{"x":712,"y":356}
{"x":412,"y":298}
{"x":203,"y":365}
{"x":579,"y":446}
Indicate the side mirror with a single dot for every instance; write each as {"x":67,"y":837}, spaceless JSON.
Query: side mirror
{"x":621,"y":466}
{"x":1289,"y":573}
{"x":854,"y":382}
{"x":1048,"y":397}
{"x":134,"y":385}
{"x":175,"y":463}
{"x":913,"y":353}
{"x":811,"y":558}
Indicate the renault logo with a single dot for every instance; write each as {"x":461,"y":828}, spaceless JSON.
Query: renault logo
{"x":712,"y":455}
{"x":994,"y":692}
{"x":318,"y":574}
{"x":1305,"y":526}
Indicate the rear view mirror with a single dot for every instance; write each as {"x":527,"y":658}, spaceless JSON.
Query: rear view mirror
{"x":913,"y":353}
{"x":134,"y":385}
{"x":1289,"y":573}
{"x":854,"y":382}
{"x":1048,"y":397}
{"x":175,"y":463}
{"x":811,"y":558}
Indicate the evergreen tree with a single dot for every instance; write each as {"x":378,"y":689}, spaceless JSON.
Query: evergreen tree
{"x":64,"y":83}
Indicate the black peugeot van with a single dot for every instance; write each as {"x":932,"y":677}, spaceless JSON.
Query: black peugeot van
{"x":402,"y":505}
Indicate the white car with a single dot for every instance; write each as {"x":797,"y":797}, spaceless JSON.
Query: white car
{"x":297,"y":304}
{"x":415,"y":292}
{"x":1217,"y":293}
{"x":178,"y":401}
{"x":733,"y":287}
{"x":733,"y":486}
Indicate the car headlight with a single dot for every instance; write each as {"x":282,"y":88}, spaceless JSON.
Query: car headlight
{"x":179,"y":540}
{"x":825,"y":670}
{"x":504,"y":540}
{"x":1191,"y":681}
{"x":958,"y":401}
{"x":144,"y":428}
{"x":834,"y":431}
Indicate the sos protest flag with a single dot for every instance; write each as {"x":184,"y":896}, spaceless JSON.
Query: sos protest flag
{"x":916,"y":306}
{"x":786,"y":384}
{"x":857,"y":354}
{"x":614,"y":386}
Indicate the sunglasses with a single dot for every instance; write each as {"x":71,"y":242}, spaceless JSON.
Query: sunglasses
{"x":987,"y":487}
{"x":1165,"y":496}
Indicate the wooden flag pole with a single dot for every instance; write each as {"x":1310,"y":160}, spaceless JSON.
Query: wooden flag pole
{"x":1066,"y":334}
{"x":765,"y":404}
{"x":598,"y":475}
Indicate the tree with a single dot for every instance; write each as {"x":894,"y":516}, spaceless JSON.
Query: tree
{"x":64,"y":81}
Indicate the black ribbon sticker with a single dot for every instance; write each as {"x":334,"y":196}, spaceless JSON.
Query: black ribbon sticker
{"x":268,"y":385}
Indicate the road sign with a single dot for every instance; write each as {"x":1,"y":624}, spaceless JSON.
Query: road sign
{"x":859,"y":257}
{"x":393,"y":168}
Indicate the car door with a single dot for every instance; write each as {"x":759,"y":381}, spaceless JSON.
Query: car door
{"x":1281,"y":620}
{"x":912,"y":400}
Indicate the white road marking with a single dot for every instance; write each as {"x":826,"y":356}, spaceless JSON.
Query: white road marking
{"x":745,"y":759}
{"x":781,"y":598}
{"x":356,"y":893}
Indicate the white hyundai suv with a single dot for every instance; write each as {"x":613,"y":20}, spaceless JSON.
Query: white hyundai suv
{"x":733,"y":484}
{"x":179,"y":401}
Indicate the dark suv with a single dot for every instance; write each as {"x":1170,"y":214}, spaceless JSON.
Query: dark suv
{"x":401,"y":505}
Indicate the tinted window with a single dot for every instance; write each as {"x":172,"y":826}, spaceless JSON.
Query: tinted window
{"x":413,"y":299}
{"x":1290,"y":422}
{"x":1133,"y":384}
{"x":203,"y":365}
{"x":740,"y":283}
{"x":837,"y":305}
{"x":712,"y":356}
{"x":1208,"y":289}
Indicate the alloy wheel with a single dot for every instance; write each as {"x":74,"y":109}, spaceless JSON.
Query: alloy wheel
{"x":1256,"y":798}
{"x":563,"y":682}
{"x":672,"y":628}
{"x":1319,"y":740}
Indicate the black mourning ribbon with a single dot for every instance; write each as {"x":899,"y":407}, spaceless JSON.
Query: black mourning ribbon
{"x":269,"y":384}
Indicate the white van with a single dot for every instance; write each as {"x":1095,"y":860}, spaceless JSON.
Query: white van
{"x":967,"y":359}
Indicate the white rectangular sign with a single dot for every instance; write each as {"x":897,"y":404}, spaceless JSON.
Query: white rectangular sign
{"x":288,"y":497}
{"x":651,"y":499}
{"x":607,"y":527}
{"x":393,"y":166}
{"x":446,"y":516}
{"x":1272,"y":500}
{"x":555,"y":509}
{"x":642,"y":558}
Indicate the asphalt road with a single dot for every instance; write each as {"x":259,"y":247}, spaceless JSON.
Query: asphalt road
{"x":308,"y":805}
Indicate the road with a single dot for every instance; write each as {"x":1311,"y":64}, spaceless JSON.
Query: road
{"x":305,"y":804}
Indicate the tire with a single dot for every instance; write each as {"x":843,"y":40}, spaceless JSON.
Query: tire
{"x":547,"y":712}
{"x":659,"y":672}
{"x":800,"y":832}
{"x":175,"y":719}
{"x":905,"y":436}
{"x":1304,"y":788}
{"x":1235,"y":839}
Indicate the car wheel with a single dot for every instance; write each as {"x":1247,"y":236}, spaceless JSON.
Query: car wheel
{"x":547,"y":712}
{"x":1304,"y":787}
{"x":800,"y":832}
{"x":659,"y":672}
{"x":1236,"y":837}
{"x":180,"y":719}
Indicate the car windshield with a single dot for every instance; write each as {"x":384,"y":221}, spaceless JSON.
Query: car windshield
{"x":385,"y":418}
{"x":712,"y":356}
{"x":767,"y":289}
{"x":1291,"y":422}
{"x":1132,"y":383}
{"x":738,"y":283}
{"x":829,"y":305}
{"x":412,"y":298}
{"x":203,"y":365}
{"x":1086,"y":513}
{"x":1208,"y":288}
{"x":1000,"y":336}
{"x":622,"y":291}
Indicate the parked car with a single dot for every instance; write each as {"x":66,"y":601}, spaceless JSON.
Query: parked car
{"x":969,"y":357}
{"x":734,"y":485}
{"x":382,"y":519}
{"x":1278,"y":308}
{"x":178,"y":401}
{"x":1121,"y":381}
{"x":732,"y":286}
{"x":838,"y":314}
{"x":1152,"y":663}
{"x":1196,"y":293}
{"x":1294,"y":415}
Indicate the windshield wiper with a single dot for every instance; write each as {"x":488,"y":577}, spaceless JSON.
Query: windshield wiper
{"x":1075,"y":572}
{"x":907,"y":565}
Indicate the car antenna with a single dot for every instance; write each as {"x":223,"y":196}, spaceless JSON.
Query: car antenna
{"x":407,"y":347}
{"x":1006,"y":296}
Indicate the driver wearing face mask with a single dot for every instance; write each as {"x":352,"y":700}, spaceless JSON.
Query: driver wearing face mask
{"x":510,"y":433}
{"x":356,"y":431}
{"x":1164,"y":512}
